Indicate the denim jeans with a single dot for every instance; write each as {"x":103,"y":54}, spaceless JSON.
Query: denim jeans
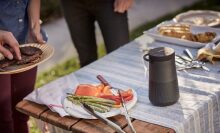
{"x":14,"y":18}
{"x":81,"y":15}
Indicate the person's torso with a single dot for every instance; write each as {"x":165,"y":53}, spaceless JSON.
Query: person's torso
{"x":14,"y":18}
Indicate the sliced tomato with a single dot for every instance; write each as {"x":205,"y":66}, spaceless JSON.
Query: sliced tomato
{"x":128,"y":98}
{"x":112,"y":97}
{"x":126,"y":93}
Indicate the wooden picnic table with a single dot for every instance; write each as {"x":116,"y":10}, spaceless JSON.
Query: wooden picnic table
{"x":200,"y":89}
{"x":43,"y":113}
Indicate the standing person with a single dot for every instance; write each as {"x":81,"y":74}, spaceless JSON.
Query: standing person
{"x":111,"y":16}
{"x":17,"y":17}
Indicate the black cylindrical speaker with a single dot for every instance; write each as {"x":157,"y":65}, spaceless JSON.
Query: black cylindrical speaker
{"x":163,"y":82}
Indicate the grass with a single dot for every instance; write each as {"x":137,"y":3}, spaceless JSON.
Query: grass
{"x":72,"y":64}
{"x":32,"y":126}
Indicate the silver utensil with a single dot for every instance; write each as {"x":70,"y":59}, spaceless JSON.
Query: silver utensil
{"x":216,"y":46}
{"x":126,"y":113}
{"x":127,"y":117}
{"x":188,"y":53}
{"x":183,"y":59}
{"x":103,"y":119}
{"x":190,"y":67}
{"x":183,"y":64}
{"x":216,"y":40}
{"x":194,"y":62}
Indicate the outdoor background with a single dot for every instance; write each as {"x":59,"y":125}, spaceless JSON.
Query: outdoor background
{"x":143,"y":15}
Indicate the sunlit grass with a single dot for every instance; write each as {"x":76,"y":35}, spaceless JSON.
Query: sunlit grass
{"x":32,"y":126}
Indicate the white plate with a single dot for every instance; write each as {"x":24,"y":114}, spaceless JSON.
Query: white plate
{"x":194,"y":29}
{"x":199,"y":18}
{"x":78,"y":111}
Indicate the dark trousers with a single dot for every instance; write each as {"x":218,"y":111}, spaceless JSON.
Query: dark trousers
{"x":81,"y":15}
{"x":13,"y":89}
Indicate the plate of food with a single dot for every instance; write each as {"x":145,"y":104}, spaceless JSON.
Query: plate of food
{"x":184,"y":34}
{"x":100,"y":98}
{"x":32,"y":55}
{"x":199,"y":18}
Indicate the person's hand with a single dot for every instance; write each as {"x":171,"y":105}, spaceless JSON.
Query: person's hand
{"x":35,"y":34}
{"x":8,"y":38}
{"x":122,"y":6}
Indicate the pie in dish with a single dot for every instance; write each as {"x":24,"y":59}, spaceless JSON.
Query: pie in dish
{"x":183,"y":31}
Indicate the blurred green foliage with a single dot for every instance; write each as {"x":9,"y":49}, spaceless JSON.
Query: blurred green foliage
{"x":33,"y":126}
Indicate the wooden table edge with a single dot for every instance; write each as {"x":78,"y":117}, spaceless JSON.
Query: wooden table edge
{"x":31,"y":108}
{"x":45,"y":111}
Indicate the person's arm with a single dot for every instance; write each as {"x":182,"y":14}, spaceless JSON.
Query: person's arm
{"x":122,"y":6}
{"x":34,"y":20}
{"x":8,"y":38}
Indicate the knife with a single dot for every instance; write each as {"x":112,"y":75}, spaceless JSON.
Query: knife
{"x":103,"y":119}
{"x":100,"y":78}
{"x":105,"y":82}
{"x":127,"y":117}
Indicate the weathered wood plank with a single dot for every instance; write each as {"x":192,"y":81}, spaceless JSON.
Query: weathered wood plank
{"x":145,"y":127}
{"x":31,"y":108}
{"x":55,"y":119}
{"x":96,"y":126}
{"x":82,"y":125}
